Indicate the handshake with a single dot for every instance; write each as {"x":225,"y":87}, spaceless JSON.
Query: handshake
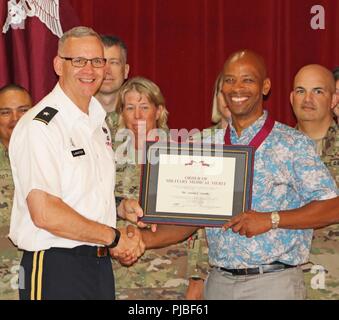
{"x":130,"y":246}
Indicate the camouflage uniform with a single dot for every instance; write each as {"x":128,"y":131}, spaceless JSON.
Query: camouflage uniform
{"x":325,"y":244}
{"x":9,"y":255}
{"x":112,"y":120}
{"x":160,"y":274}
{"x":198,"y":266}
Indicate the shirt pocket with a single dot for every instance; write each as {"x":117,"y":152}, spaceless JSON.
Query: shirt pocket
{"x":78,"y":170}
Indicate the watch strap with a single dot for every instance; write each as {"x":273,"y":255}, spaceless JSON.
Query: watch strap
{"x":115,"y":240}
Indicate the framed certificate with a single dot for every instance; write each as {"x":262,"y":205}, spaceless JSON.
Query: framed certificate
{"x":195,"y":184}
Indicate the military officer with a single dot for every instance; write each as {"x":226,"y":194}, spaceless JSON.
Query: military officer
{"x":14,"y":102}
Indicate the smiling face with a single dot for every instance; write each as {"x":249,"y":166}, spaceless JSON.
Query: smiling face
{"x":80,"y":84}
{"x":13,"y":104}
{"x":138,"y":112}
{"x":244,"y":84}
{"x":313,"y":94}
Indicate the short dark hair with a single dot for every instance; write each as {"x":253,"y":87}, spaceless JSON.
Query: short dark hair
{"x":12,"y":86}
{"x":110,"y":41}
{"x":336,"y":73}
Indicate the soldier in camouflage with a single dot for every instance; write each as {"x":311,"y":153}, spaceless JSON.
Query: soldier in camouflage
{"x":160,"y":274}
{"x":14,"y":102}
{"x":313,"y":100}
{"x":116,"y":71}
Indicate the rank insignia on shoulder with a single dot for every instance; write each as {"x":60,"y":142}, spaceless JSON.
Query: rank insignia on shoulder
{"x":46,"y":115}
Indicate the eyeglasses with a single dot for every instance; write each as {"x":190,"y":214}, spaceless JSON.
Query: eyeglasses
{"x":80,"y":62}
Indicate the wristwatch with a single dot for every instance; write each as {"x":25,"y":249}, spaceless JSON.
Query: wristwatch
{"x":115,"y":240}
{"x":275,"y":219}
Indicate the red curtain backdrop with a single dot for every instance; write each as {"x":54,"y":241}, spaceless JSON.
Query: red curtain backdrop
{"x":182,"y":45}
{"x":26,"y":55}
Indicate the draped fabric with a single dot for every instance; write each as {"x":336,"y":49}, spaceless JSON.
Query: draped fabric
{"x":182,"y":45}
{"x":26,"y":55}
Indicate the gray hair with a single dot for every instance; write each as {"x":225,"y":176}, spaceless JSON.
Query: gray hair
{"x":77,"y":32}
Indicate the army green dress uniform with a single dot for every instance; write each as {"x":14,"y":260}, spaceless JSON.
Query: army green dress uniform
{"x":325,"y":244}
{"x":10,"y":256}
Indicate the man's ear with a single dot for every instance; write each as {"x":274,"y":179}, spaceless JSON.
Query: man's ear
{"x":335,"y":100}
{"x":291,"y":97}
{"x":57,"y":63}
{"x":266,"y":86}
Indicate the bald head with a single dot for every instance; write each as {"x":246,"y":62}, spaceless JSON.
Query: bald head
{"x":316,"y":74}
{"x":251,"y":57}
{"x":313,"y":95}
{"x":245,"y":83}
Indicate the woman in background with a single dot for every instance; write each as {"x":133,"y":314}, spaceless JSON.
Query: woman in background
{"x":160,"y":274}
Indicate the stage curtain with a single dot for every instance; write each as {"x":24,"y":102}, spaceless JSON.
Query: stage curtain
{"x":182,"y":45}
{"x":26,"y":55}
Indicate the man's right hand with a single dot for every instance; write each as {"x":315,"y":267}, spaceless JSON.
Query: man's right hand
{"x":130,"y":246}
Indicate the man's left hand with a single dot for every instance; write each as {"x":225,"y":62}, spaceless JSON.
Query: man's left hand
{"x":130,"y":210}
{"x":250,"y":223}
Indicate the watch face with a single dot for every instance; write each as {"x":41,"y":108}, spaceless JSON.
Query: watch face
{"x":275,"y":218}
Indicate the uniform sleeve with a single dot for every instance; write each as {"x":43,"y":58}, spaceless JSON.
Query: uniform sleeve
{"x":314,"y":181}
{"x":198,"y":265}
{"x":330,"y":155}
{"x":37,"y":160}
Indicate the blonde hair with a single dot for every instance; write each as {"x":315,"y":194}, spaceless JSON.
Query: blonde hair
{"x":150,"y":90}
{"x":216,"y":116}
